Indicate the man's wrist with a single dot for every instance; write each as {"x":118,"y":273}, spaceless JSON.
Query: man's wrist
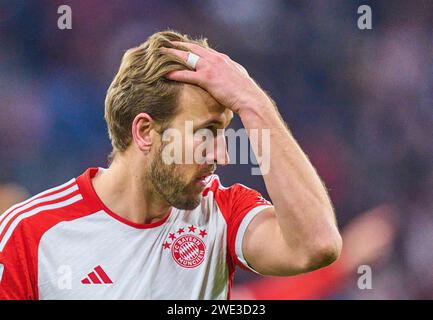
{"x":258,"y":109}
{"x":260,"y":114}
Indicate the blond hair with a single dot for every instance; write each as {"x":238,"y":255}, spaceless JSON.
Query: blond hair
{"x":139,"y":86}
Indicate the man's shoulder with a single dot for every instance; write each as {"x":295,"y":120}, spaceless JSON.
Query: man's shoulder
{"x":33,"y":217}
{"x":215,"y":186}
{"x":235,"y":198}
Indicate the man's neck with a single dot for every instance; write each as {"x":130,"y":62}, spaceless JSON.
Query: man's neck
{"x":123,"y":191}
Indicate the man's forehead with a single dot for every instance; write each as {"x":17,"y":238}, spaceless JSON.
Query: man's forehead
{"x":198,"y":104}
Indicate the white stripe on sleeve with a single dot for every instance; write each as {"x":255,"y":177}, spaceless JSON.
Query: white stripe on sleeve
{"x":241,"y":231}
{"x":33,"y":212}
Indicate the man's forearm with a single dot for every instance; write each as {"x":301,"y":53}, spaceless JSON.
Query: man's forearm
{"x":303,"y":227}
{"x":304,"y":210}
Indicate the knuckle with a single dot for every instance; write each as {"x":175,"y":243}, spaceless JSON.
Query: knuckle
{"x":219,"y":58}
{"x":226,"y":57}
{"x":194,"y":46}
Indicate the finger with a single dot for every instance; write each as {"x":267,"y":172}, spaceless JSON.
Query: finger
{"x":220,"y":54}
{"x":195,"y":48}
{"x":183,"y":55}
{"x":185,"y":76}
{"x":240,"y":67}
{"x":217,"y":53}
{"x":213,"y":50}
{"x":228,"y":59}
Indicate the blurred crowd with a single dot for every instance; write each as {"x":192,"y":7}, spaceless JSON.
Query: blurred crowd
{"x":360,"y":103}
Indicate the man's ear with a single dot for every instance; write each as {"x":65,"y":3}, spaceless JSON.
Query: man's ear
{"x":141,"y":131}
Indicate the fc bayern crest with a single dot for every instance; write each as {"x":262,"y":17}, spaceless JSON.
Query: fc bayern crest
{"x":187,"y":248}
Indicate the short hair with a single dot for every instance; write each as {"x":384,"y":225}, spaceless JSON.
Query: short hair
{"x":140,"y":86}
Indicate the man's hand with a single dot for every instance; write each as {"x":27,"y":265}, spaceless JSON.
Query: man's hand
{"x":226,"y":80}
{"x":299,"y":233}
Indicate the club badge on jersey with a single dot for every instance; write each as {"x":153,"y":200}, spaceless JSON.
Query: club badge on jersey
{"x":187,"y":247}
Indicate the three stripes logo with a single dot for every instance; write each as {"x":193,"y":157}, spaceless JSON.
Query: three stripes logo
{"x":97,"y":276}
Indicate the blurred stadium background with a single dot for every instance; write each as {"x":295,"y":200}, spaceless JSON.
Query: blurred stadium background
{"x":359,"y":102}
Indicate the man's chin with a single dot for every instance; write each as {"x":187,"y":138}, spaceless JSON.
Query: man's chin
{"x":191,"y":203}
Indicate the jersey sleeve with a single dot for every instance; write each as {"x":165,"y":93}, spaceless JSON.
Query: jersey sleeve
{"x":246,"y":203}
{"x":16,"y":271}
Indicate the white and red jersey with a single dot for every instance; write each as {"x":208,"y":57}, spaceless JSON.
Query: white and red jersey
{"x":64,"y":243}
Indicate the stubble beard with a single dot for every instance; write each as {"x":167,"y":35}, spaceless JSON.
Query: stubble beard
{"x":167,"y":179}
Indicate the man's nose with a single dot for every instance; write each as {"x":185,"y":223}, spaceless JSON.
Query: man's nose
{"x":220,"y":155}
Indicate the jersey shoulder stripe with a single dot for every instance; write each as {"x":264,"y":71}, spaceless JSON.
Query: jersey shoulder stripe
{"x":47,"y":201}
{"x":43,"y":194}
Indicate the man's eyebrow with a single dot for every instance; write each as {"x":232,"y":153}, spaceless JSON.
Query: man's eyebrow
{"x":210,"y":122}
{"x":214,"y":121}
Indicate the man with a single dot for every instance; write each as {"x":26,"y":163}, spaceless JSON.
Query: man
{"x":148,"y":229}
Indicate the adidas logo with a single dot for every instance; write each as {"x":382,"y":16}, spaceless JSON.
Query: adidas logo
{"x":97,"y":276}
